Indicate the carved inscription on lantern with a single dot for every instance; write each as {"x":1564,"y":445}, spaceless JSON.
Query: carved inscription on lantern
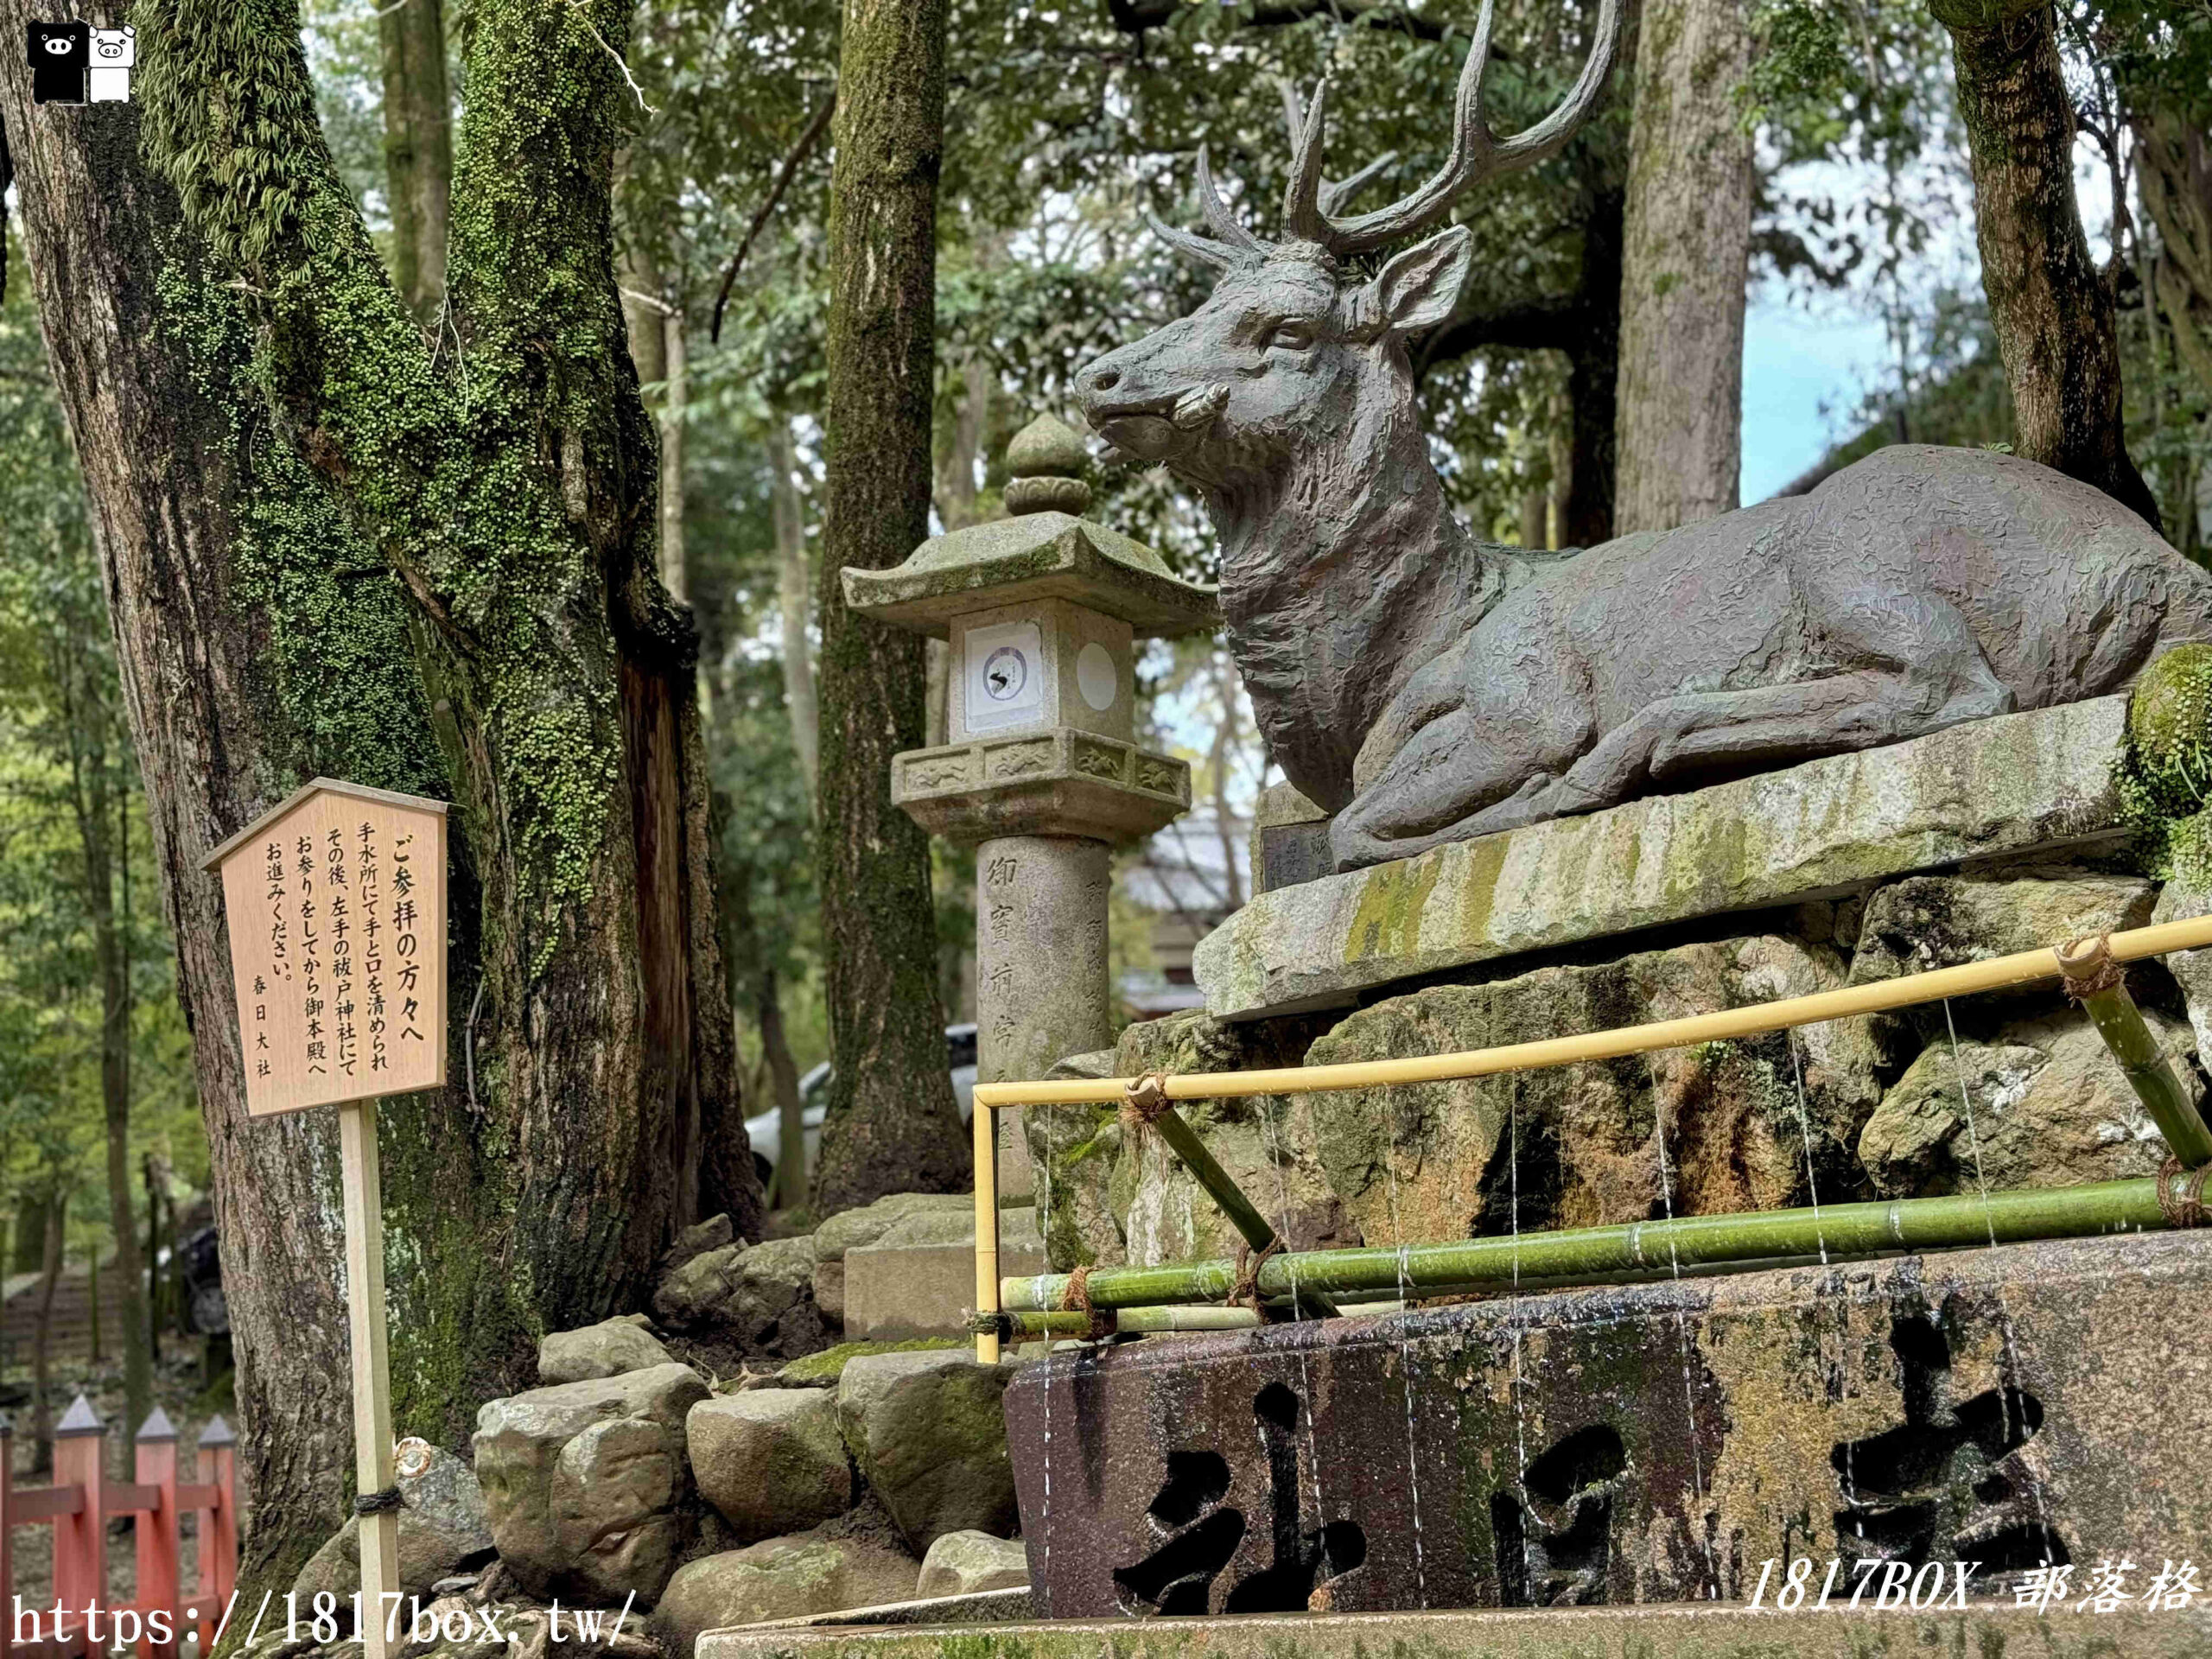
{"x":337,"y":908}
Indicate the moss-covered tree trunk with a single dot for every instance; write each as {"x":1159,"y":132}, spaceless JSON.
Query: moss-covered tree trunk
{"x":333,"y":544}
{"x":1686,"y":248}
{"x":892,"y":1125}
{"x":2051,"y":307}
{"x":417,"y":147}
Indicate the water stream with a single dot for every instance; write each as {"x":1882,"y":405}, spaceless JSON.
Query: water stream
{"x":2010,"y":1393}
{"x":1840,"y":1297}
{"x":1298,"y":1317}
{"x":1683,"y":1330}
{"x":1405,"y":1344}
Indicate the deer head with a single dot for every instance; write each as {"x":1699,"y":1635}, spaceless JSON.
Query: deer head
{"x":1286,"y":400}
{"x":1296,"y":352}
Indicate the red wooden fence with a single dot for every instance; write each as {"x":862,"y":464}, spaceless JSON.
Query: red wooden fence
{"x":78,"y":1506}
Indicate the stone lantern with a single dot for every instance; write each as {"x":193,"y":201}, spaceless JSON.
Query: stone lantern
{"x":1043,"y":772}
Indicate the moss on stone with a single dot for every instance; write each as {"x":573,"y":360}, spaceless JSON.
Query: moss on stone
{"x":2164,"y":772}
{"x":826,"y":1367}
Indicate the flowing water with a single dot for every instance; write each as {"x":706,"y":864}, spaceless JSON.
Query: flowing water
{"x":1405,"y":1345}
{"x":2010,"y":1394}
{"x":1298,"y":1317}
{"x":1682,"y":1329}
{"x":1842,"y":1312}
{"x":1513,"y":1320}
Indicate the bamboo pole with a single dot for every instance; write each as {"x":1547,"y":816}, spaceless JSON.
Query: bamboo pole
{"x":2094,"y":981}
{"x":1999,"y":973}
{"x":1183,"y":1140}
{"x":987,"y":1230}
{"x":1908,"y":1224}
{"x":1137,"y":1321}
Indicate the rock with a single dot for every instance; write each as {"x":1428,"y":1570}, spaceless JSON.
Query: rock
{"x":1436,"y":1160}
{"x":741,"y":1289}
{"x":826,"y":1369}
{"x":441,"y":1527}
{"x":772,"y":1460}
{"x":585,"y":1485}
{"x":2038,"y":781}
{"x":709,"y":1234}
{"x":2191,"y":970}
{"x":608,"y":1349}
{"x":965,"y":1563}
{"x":1939,"y":921}
{"x":830,"y":1291}
{"x":783,"y":1578}
{"x":918,"y":1279}
{"x":850,"y":1228}
{"x":926,"y":1431}
{"x":2051,"y":1107}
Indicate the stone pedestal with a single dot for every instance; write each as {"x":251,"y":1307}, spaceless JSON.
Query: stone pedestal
{"x":1645,"y":1443}
{"x":2036,"y":783}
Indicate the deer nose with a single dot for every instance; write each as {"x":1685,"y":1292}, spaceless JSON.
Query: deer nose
{"x":1106,"y":380}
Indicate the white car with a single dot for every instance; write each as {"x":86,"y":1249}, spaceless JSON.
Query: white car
{"x":766,"y":1128}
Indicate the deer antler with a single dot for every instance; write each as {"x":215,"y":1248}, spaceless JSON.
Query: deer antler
{"x":1334,"y":194}
{"x":1476,"y":152}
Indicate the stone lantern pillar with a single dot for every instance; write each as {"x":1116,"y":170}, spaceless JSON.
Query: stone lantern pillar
{"x":1043,"y":774}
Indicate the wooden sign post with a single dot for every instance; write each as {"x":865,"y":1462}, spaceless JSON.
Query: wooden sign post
{"x":336,"y":901}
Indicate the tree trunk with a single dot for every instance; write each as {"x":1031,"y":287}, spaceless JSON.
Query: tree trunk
{"x":1686,"y":240}
{"x":793,"y":579}
{"x":331,"y":549}
{"x":95,"y":787}
{"x":2051,"y":307}
{"x":54,"y":1208}
{"x":2173,"y":164}
{"x":417,"y":148}
{"x":892,"y":1126}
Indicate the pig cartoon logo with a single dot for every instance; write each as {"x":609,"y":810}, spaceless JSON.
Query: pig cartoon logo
{"x":114,"y":51}
{"x":61,"y":60}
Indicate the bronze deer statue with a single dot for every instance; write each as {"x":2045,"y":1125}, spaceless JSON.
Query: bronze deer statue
{"x":1426,"y":687}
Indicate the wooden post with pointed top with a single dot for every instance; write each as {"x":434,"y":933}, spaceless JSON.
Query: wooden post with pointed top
{"x":336,"y":905}
{"x":155,"y":1533}
{"x":81,"y":1536}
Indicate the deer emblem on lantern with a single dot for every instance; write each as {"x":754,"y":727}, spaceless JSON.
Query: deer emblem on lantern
{"x":1426,"y":687}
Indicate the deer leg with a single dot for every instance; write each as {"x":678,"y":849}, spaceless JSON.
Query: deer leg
{"x":1453,"y":766}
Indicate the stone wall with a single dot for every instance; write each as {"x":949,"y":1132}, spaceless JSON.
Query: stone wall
{"x":1849,"y":1109}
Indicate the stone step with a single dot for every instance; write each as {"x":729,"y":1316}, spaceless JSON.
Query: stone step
{"x":2018,"y":785}
{"x":918,"y":1280}
{"x":1695,"y":1630}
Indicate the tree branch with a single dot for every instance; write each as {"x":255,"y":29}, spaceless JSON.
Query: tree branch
{"x":789,"y":166}
{"x":1546,"y":324}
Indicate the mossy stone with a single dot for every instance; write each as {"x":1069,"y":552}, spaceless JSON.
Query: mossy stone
{"x":1047,"y":447}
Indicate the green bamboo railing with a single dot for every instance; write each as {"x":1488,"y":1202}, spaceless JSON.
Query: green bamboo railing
{"x":1655,"y":1248}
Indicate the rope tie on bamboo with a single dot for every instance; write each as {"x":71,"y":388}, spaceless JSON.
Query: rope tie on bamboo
{"x":1245,"y":1293}
{"x":383,"y":1502}
{"x":2185,"y":1208}
{"x":1076,"y":1299}
{"x":2086,"y":968}
{"x":999,"y":1325}
{"x":1144,"y":1101}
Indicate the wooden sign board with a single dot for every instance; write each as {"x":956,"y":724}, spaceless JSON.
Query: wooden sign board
{"x":337,"y":908}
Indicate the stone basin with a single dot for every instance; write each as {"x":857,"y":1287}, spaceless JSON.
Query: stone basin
{"x":1647,"y":1444}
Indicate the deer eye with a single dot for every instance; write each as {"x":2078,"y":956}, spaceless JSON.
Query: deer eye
{"x":1291,"y":336}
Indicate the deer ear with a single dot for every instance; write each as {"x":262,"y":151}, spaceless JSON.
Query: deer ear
{"x":1418,"y":288}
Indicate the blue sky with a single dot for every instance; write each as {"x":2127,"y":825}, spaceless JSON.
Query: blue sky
{"x":1796,"y":365}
